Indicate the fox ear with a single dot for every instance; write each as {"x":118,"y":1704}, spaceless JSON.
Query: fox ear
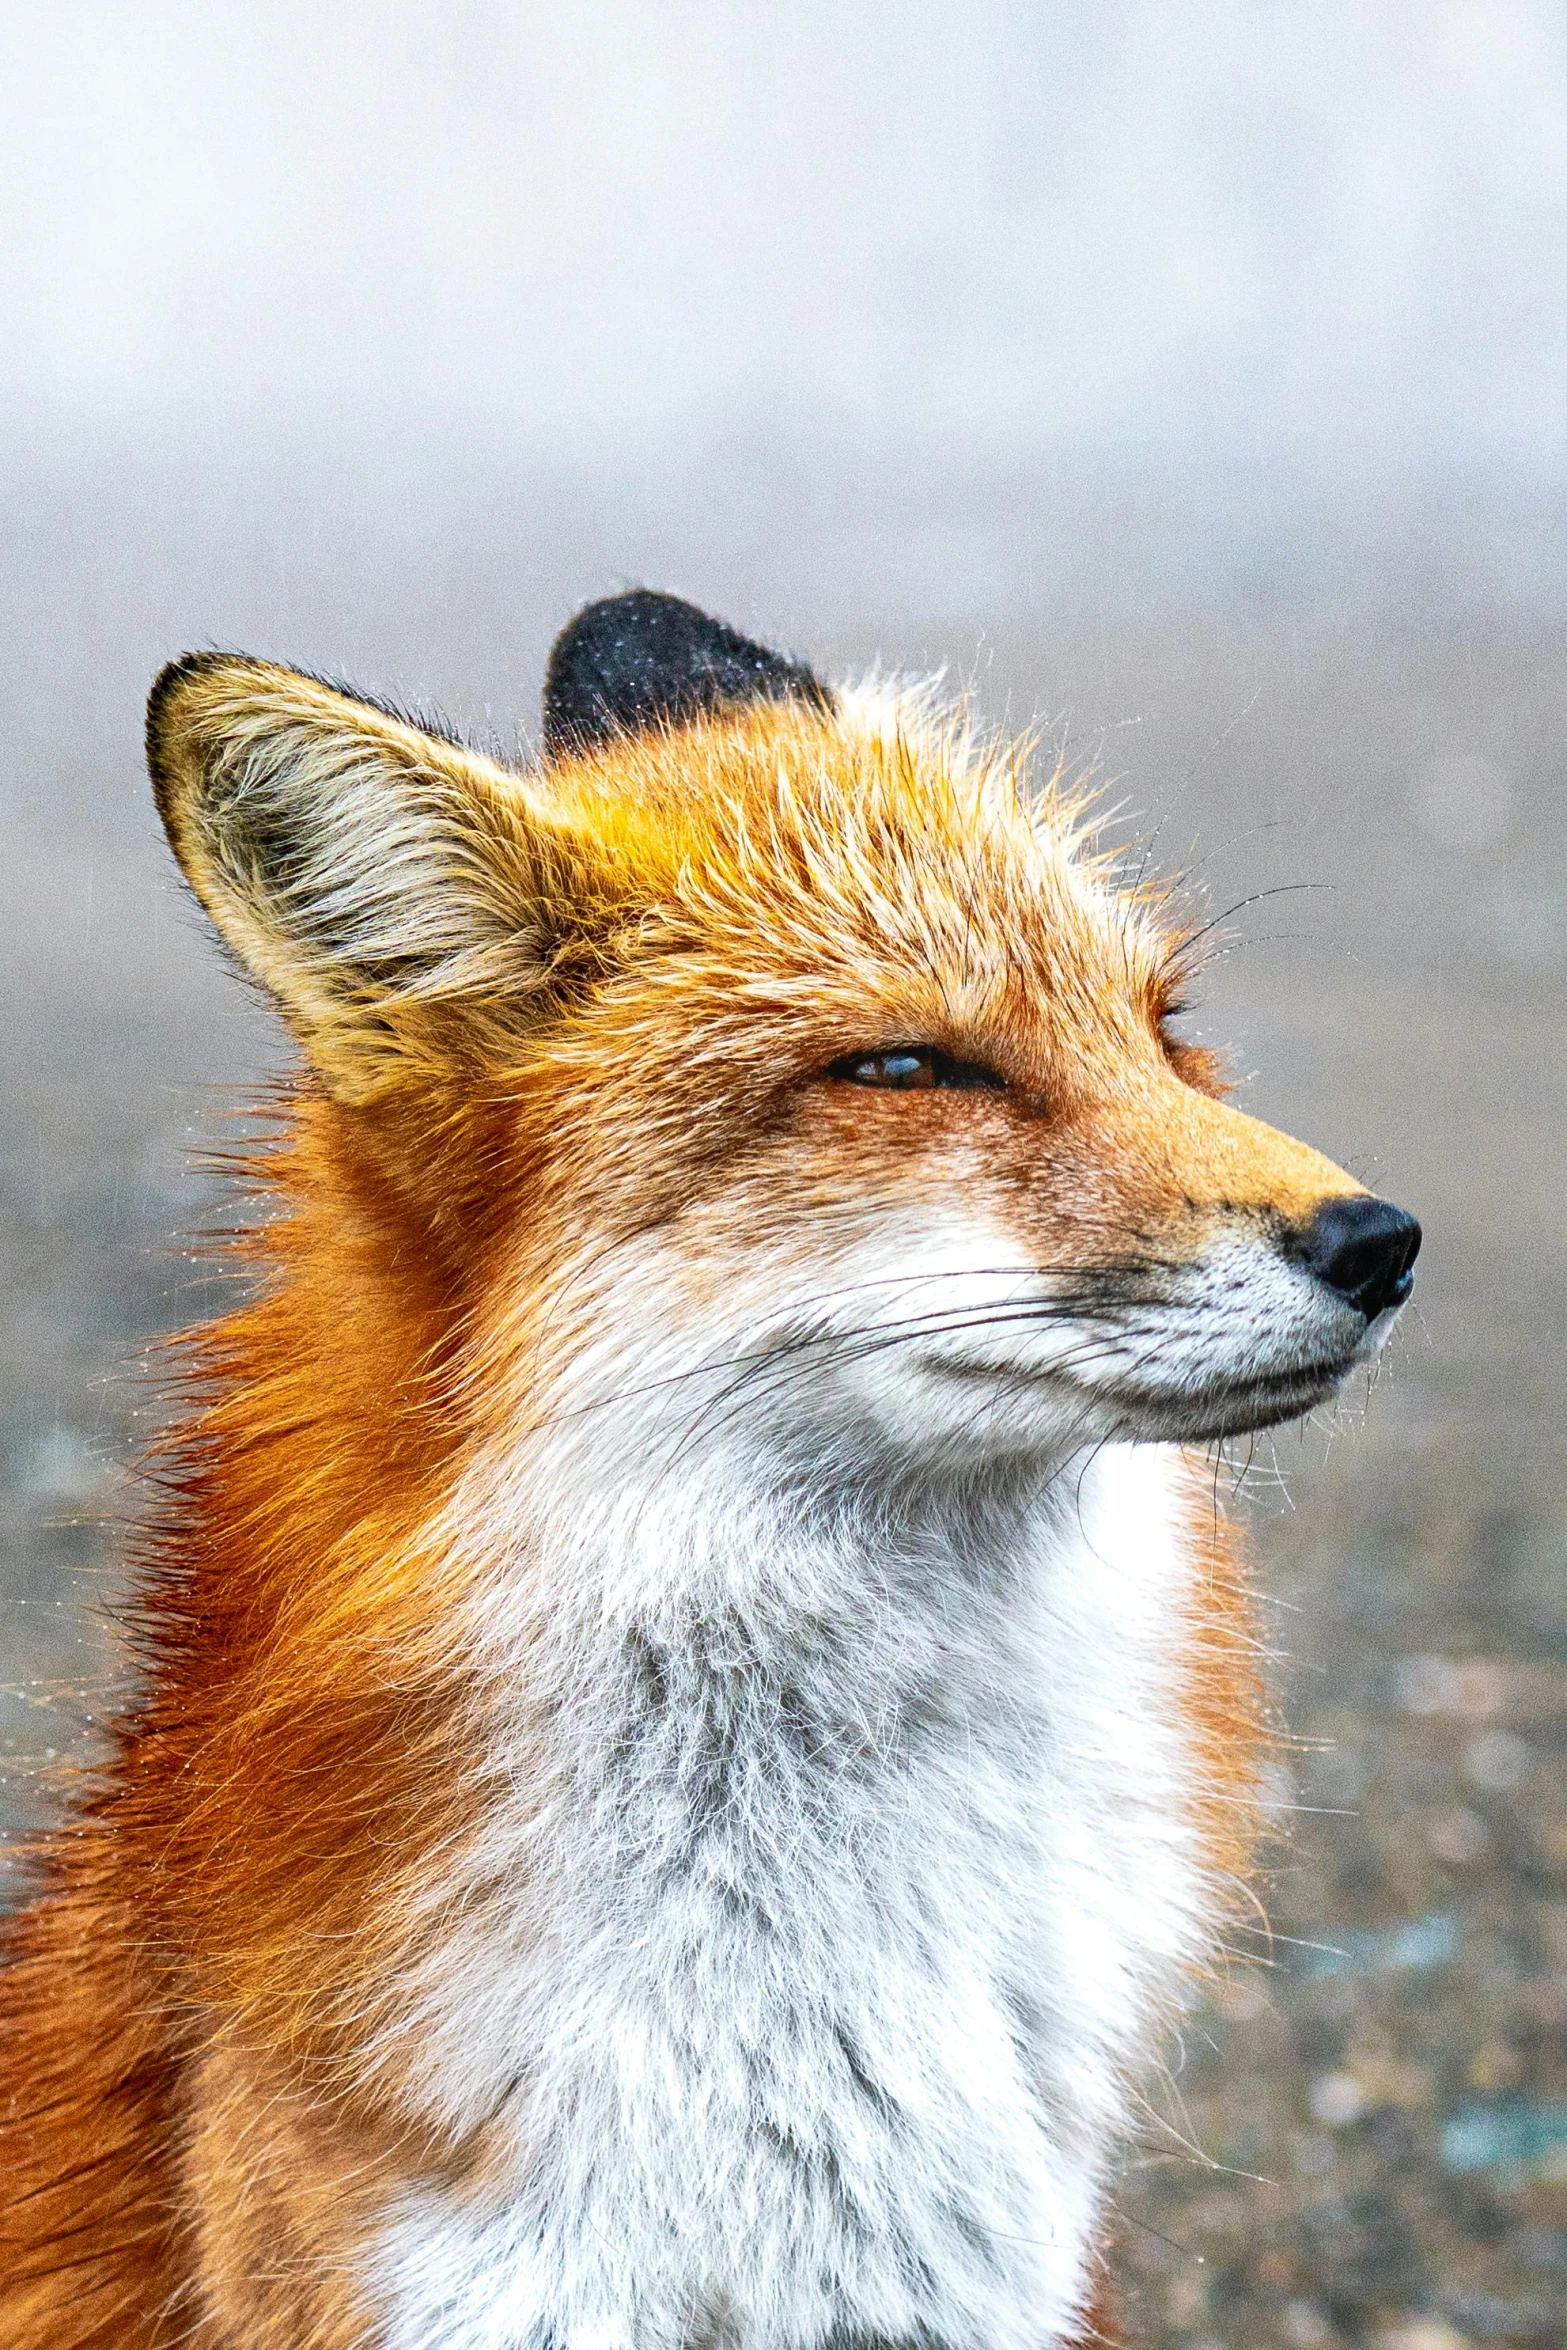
{"x":398,"y":895}
{"x":643,"y":660}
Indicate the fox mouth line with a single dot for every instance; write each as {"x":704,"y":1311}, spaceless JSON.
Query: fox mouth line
{"x":1227,"y":1407}
{"x":1232,"y":1407}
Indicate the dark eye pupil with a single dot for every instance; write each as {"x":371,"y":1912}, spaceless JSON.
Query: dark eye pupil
{"x":916,"y":1068}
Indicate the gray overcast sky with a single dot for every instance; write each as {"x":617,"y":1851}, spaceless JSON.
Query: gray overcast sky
{"x":1014,"y":222}
{"x":316,"y":320}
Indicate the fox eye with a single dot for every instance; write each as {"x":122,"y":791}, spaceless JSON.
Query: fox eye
{"x":916,"y":1068}
{"x":1197,"y":1065}
{"x":1169,"y":1024}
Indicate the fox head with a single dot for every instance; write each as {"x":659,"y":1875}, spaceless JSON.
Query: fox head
{"x":766,"y":1061}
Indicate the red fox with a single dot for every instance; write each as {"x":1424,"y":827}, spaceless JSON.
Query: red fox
{"x":696,"y":1712}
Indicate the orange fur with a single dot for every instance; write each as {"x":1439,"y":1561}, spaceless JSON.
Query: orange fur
{"x":647,"y":957}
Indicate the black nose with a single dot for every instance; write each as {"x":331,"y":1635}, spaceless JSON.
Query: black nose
{"x":1364,"y":1249}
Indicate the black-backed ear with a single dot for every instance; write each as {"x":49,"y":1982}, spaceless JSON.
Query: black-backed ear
{"x":401,"y":897}
{"x":643,"y":660}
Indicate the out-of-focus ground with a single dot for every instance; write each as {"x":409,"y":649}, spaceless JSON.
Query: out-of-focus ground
{"x":1365,"y":2133}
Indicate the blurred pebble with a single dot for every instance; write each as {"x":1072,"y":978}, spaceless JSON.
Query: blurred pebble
{"x":1544,"y":2002}
{"x":1458,"y":1837}
{"x":1430,"y":1941}
{"x":1482,"y":1688}
{"x":1542,"y":2247}
{"x":1496,"y":1759}
{"x":1304,"y":2326}
{"x":1419,"y":2333}
{"x":1186,"y":2302}
{"x":1337,"y":2099}
{"x":1513,"y":2134}
{"x":1493,"y":2067}
{"x":1388,"y":2081}
{"x":1427,"y":1684}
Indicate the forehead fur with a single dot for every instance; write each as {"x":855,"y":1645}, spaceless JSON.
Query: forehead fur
{"x":879,"y":853}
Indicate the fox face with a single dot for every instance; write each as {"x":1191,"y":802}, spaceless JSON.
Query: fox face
{"x":770,"y":1066}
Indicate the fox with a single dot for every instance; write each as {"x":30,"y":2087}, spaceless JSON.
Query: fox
{"x":697,"y":1712}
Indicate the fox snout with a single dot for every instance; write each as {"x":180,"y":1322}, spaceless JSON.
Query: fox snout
{"x":1195,"y":1273}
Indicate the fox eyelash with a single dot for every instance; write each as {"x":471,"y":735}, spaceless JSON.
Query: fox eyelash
{"x":916,"y":1068}
{"x":1197,"y":1065}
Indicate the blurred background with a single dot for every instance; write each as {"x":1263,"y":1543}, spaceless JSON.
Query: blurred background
{"x":1192,"y":378}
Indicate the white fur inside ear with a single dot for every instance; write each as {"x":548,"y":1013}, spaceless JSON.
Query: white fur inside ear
{"x":356,"y":865}
{"x":364,"y":864}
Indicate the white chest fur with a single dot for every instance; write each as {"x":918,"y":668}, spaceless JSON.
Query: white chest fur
{"x":843,"y":1928}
